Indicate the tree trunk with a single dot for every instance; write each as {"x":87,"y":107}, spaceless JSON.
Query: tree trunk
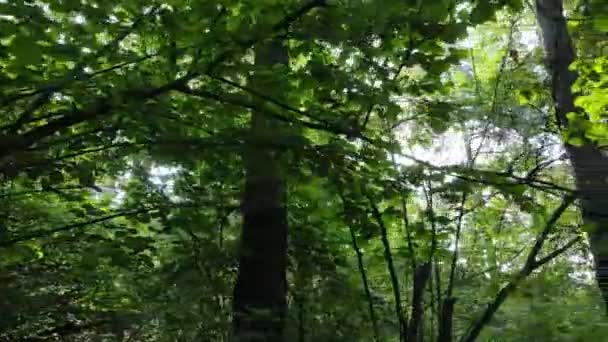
{"x":590,"y":166}
{"x":388,"y":256}
{"x":301,"y":319}
{"x":445,"y":320}
{"x":368,"y":292}
{"x":260,"y":304}
{"x":421,"y":278}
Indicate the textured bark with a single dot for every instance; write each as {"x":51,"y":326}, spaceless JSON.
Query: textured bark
{"x":445,"y":323}
{"x":590,"y":166}
{"x":260,"y":305}
{"x":421,"y":278}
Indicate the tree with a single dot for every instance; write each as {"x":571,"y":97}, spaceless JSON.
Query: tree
{"x":589,"y":163}
{"x":290,"y":170}
{"x":260,"y":303}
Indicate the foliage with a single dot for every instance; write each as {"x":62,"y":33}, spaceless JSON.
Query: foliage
{"x":121,"y":174}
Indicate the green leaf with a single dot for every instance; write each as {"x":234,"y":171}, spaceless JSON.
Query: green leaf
{"x":482,"y":12}
{"x":120,"y":258}
{"x":576,"y":141}
{"x":89,"y":260}
{"x":600,"y":23}
{"x":524,"y":96}
{"x":26,"y":51}
{"x":86,"y":177}
{"x":56,"y":177}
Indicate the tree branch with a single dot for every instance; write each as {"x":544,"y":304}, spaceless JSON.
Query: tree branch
{"x":530,"y":265}
{"x":557,"y":252}
{"x":77,"y":73}
{"x":391,"y":268}
{"x":105,"y":105}
{"x":46,"y":232}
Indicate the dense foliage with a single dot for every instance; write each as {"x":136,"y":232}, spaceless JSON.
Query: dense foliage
{"x":412,"y":162}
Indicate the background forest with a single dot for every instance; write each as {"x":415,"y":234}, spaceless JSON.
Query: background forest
{"x":303,"y":170}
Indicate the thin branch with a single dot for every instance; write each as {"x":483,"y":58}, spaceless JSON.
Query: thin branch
{"x":362,"y":272}
{"x":549,"y":226}
{"x":391,"y":268}
{"x":351,"y":132}
{"x":494,"y":267}
{"x":557,"y":252}
{"x":297,"y":14}
{"x":105,"y":105}
{"x":237,"y":101}
{"x":45,"y":93}
{"x":46,"y":232}
{"x":510,"y":179}
{"x":461,"y":213}
{"x":530,"y":265}
{"x":38,"y":191}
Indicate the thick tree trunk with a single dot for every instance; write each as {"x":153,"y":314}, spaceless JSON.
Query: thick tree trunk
{"x":590,"y":166}
{"x":260,"y":304}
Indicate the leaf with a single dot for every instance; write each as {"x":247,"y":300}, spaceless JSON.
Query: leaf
{"x":443,"y":220}
{"x":89,"y":260}
{"x":435,"y":10}
{"x":137,"y":244}
{"x":482,"y":12}
{"x":120,"y":259}
{"x":86,"y":177}
{"x":528,"y":206}
{"x":576,"y":141}
{"x":144,"y":217}
{"x":56,"y":177}
{"x":524,"y":96}
{"x":79,"y":212}
{"x":600,"y":23}
{"x":26,"y":50}
{"x":515,"y":5}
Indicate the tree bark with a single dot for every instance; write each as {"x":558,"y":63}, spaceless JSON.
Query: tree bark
{"x":590,"y":166}
{"x":445,"y":320}
{"x":421,"y":278}
{"x":260,"y":304}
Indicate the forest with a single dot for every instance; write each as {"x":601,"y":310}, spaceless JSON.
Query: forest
{"x":304,"y":170}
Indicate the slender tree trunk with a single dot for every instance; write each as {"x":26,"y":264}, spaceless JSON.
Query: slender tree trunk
{"x":434,"y":308}
{"x":301,"y":321}
{"x":388,"y":256}
{"x":260,"y":304}
{"x":590,"y":166}
{"x":368,"y":292}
